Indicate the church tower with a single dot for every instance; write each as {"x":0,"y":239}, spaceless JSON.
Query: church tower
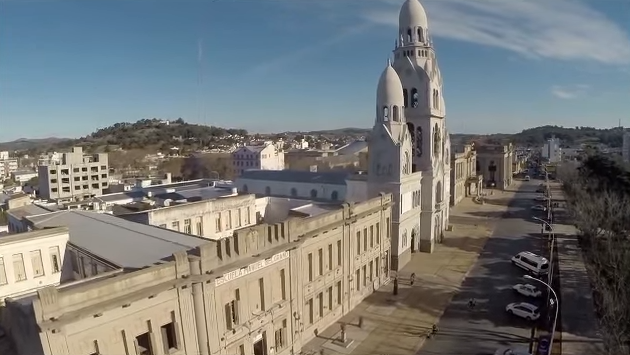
{"x":417,"y":67}
{"x":390,"y":166}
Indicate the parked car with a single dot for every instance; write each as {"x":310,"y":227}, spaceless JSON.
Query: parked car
{"x":524,"y":310}
{"x":540,"y":199}
{"x":527,"y":290}
{"x":540,"y":190}
{"x":512,"y":351}
{"x":533,"y":263}
{"x":539,"y":208}
{"x":527,"y":178}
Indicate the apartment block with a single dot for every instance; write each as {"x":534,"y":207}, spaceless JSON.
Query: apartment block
{"x":74,"y":177}
{"x":267,"y":289}
{"x":266,"y":156}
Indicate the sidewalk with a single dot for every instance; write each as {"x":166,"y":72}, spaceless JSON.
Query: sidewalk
{"x":579,"y":321}
{"x":399,"y":324}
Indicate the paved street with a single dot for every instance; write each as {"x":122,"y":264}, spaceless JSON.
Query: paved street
{"x":488,"y":327}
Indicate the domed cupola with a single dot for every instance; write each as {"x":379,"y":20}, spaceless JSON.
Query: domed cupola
{"x":389,"y":96}
{"x":412,"y":23}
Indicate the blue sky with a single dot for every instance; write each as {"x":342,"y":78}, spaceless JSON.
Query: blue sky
{"x":69,"y":67}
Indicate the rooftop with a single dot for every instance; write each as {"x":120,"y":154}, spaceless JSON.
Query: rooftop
{"x":28,"y":210}
{"x":353,"y":148}
{"x":299,"y":176}
{"x":128,"y":244}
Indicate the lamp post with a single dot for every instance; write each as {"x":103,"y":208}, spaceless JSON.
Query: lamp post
{"x":553,"y":242}
{"x":555,"y":319}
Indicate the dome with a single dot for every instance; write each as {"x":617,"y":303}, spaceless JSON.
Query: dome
{"x":412,"y":15}
{"x":390,"y":91}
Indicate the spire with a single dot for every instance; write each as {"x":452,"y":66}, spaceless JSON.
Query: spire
{"x":389,"y":61}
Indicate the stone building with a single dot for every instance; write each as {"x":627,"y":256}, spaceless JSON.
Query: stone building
{"x":465,"y":180}
{"x":268,"y":289}
{"x":494,"y":163}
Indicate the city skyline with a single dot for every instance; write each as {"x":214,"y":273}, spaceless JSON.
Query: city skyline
{"x":71,"y":68}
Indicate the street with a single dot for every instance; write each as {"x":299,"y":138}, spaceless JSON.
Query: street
{"x":488,"y":327}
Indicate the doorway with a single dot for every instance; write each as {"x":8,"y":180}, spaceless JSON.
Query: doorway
{"x":413,"y":241}
{"x":260,"y":346}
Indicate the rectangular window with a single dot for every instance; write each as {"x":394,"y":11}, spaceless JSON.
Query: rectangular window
{"x":378,"y":233}
{"x":187,"y":226}
{"x":18,"y":267}
{"x":36,"y":263}
{"x":229,"y":221}
{"x":55,"y":259}
{"x":371,"y":236}
{"x":364,"y":275}
{"x":249,"y":211}
{"x":387,"y":234}
{"x":281,"y":336}
{"x":218,"y":222}
{"x":231,"y":312}
{"x":320,"y":303}
{"x":311,"y":315}
{"x":143,"y":344}
{"x":3,"y":272}
{"x":339,"y":294}
{"x":359,"y":243}
{"x":339,"y":253}
{"x":238,"y":218}
{"x":175,"y":226}
{"x":365,"y":239}
{"x":330,"y":256}
{"x":378,"y":268}
{"x":330,"y":298}
{"x":371,"y":269}
{"x":320,"y":257}
{"x":283,"y":284}
{"x":357,"y":279}
{"x":199,"y":222}
{"x":310,"y":267}
{"x":169,"y":338}
{"x":261,"y":288}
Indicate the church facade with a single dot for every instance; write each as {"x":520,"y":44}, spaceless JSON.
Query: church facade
{"x":410,"y":145}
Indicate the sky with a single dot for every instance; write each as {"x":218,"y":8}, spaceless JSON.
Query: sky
{"x":68,"y":68}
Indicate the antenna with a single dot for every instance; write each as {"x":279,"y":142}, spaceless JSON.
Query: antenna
{"x":200,"y":106}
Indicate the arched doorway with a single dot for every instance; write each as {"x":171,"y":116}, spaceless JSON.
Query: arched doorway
{"x":413,"y":240}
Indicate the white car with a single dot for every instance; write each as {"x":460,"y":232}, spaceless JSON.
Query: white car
{"x":539,"y":208}
{"x":512,"y":351}
{"x":523,"y":310}
{"x":540,"y":199}
{"x":527,"y":290}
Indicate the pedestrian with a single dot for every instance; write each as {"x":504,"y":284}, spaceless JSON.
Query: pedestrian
{"x":412,"y":279}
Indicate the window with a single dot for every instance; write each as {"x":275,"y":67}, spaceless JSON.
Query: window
{"x":387,"y":235}
{"x":229,"y":221}
{"x":364,"y":275}
{"x":320,"y":303}
{"x":358,"y":243}
{"x":310,"y":311}
{"x":339,"y":255}
{"x":143,"y":344}
{"x":371,"y":270}
{"x":218,"y":222}
{"x":239,"y":221}
{"x":199,"y":222}
{"x":281,"y":336}
{"x":169,"y":338}
{"x":55,"y":260}
{"x":339,"y":295}
{"x":313,"y":193}
{"x":36,"y":263}
{"x":378,"y":233}
{"x":357,"y":279}
{"x":3,"y":272}
{"x":310,"y":267}
{"x":283,"y":284}
{"x":162,"y":226}
{"x":378,"y":269}
{"x":330,"y":256}
{"x":175,"y":225}
{"x":231,"y":311}
{"x":187,"y":226}
{"x":261,"y":290}
{"x":330,"y":298}
{"x":371,"y":236}
{"x":18,"y":267}
{"x":249,"y":211}
{"x":365,"y":240}
{"x":320,"y":257}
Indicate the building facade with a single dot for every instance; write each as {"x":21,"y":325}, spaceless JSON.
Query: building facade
{"x":268,"y":289}
{"x":495,"y":165}
{"x":551,"y":150}
{"x":31,"y":260}
{"x":75,"y":176}
{"x":465,"y":181}
{"x":8,"y":165}
{"x":266,"y":156}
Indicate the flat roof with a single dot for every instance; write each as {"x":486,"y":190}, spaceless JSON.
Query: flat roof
{"x":28,"y":210}
{"x":204,"y":193}
{"x":125,"y":243}
{"x":298,"y":176}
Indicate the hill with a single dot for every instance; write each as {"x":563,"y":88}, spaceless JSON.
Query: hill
{"x":537,"y":136}
{"x":27,"y":144}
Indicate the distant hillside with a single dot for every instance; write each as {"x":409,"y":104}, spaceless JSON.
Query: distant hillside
{"x":537,"y":136}
{"x":350,"y":131}
{"x":27,"y":144}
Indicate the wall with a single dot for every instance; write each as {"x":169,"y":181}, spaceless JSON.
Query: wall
{"x":49,"y":243}
{"x":196,"y":293}
{"x":292,"y":189}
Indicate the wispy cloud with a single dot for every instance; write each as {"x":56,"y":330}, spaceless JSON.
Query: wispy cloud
{"x":558,"y":29}
{"x":569,"y":92}
{"x":304,"y":52}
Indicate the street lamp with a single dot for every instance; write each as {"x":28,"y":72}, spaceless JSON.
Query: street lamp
{"x":555,"y":319}
{"x":553,"y":242}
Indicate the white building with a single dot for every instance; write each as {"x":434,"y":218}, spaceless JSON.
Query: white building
{"x":49,"y":159}
{"x":8,"y":165}
{"x":23,"y":176}
{"x":409,"y":148}
{"x":552,"y":151}
{"x":76,"y":175}
{"x":267,"y":156}
{"x":30,"y":261}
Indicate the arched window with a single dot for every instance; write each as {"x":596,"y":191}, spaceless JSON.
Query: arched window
{"x":409,"y":37}
{"x":334,"y":196}
{"x":267,"y":191}
{"x":385,"y":113}
{"x":437,"y":99}
{"x":395,"y":114}
{"x":293,"y":192}
{"x":438,"y":192}
{"x":313,"y":193}
{"x":414,"y":97}
{"x":405,"y":98}
{"x":420,"y":35}
{"x":245,"y":188}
